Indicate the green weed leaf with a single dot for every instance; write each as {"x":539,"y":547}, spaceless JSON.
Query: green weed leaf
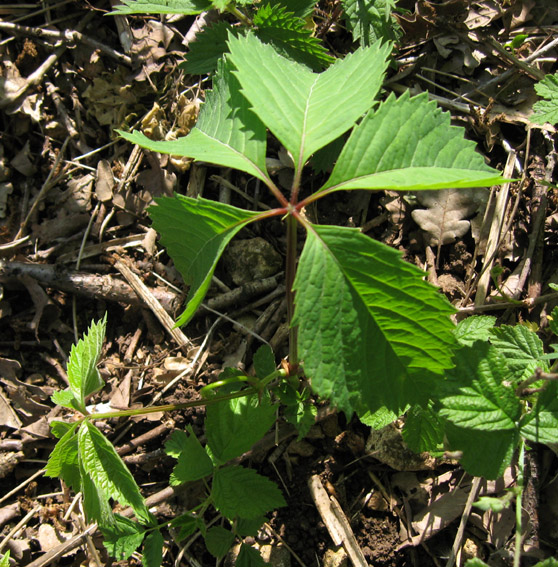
{"x":83,"y":376}
{"x":379,"y":418}
{"x":522,"y":349}
{"x":249,"y":557}
{"x":218,"y":541}
{"x":63,"y":461}
{"x":251,"y":527}
{"x":208,"y":47}
{"x":123,"y":537}
{"x":476,"y":328}
{"x":153,"y":549}
{"x":300,"y":8}
{"x":290,"y":36}
{"x":541,"y":424}
{"x":371,"y":20}
{"x":95,"y":502}
{"x":193,"y":462}
{"x":409,"y":144}
{"x":476,"y":562}
{"x":195,"y":233}
{"x":66,"y":399}
{"x":424,"y":430}
{"x":106,"y":469}
{"x":353,"y":292}
{"x":264,"y":361}
{"x":243,"y":493}
{"x":5,"y":559}
{"x":186,"y":7}
{"x":187,"y":525}
{"x":227,"y":132}
{"x":477,"y":398}
{"x":233,"y":426}
{"x":546,"y":110}
{"x":301,"y":108}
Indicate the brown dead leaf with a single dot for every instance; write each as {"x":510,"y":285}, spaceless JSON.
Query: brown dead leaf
{"x":8,"y":416}
{"x":104,"y":182}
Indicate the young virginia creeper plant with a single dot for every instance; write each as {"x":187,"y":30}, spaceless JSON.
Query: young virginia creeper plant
{"x":366,"y":331}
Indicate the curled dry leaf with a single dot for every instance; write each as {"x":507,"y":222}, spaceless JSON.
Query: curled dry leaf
{"x":446,"y":216}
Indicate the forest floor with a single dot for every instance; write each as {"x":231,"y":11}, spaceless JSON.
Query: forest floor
{"x":75,"y":232}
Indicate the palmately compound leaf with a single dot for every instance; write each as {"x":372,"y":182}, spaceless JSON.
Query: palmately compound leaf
{"x":522,"y":349}
{"x":233,"y":426}
{"x":541,"y":423}
{"x":227,"y":132}
{"x":546,"y":110}
{"x":186,"y":7}
{"x":107,"y":471}
{"x":371,"y":20}
{"x":371,"y":331}
{"x":63,"y":461}
{"x":302,"y":108}
{"x":409,"y":144}
{"x":290,"y":36}
{"x":239,"y":492}
{"x":123,"y":537}
{"x":195,"y":232}
{"x":477,"y":397}
{"x":193,"y":462}
{"x":83,"y":376}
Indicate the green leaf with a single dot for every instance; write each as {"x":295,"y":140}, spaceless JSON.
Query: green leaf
{"x":495,"y":504}
{"x":485,"y":453}
{"x":249,"y":527}
{"x":264,"y":362}
{"x":476,"y":562}
{"x":186,"y":7}
{"x":290,"y":36}
{"x":243,"y":493}
{"x":409,"y":144}
{"x":522,"y":349}
{"x":249,"y":557}
{"x":300,"y":8}
{"x":195,"y":233}
{"x":193,"y":462}
{"x":379,"y":418}
{"x":95,"y":501}
{"x":218,"y":541}
{"x":553,"y":321}
{"x":63,"y":461}
{"x":541,"y":423}
{"x":546,"y":110}
{"x":477,"y":398}
{"x":66,"y":399}
{"x":153,"y":549}
{"x":5,"y":559}
{"x":550,"y":562}
{"x":60,"y":428}
{"x":83,"y":376}
{"x":123,"y":537}
{"x":187,"y":525}
{"x":353,"y":292}
{"x":107,"y":471}
{"x":301,"y":108}
{"x":227,"y":133}
{"x":476,"y":328}
{"x":208,"y":47}
{"x":371,"y":20}
{"x":424,"y":430}
{"x":233,"y":426}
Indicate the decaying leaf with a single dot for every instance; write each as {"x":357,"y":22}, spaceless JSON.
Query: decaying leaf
{"x":447,"y":213}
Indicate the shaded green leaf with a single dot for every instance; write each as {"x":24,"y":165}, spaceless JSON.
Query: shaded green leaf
{"x":107,"y":471}
{"x":186,"y":7}
{"x":249,"y":527}
{"x":249,"y":557}
{"x":476,"y":397}
{"x":300,"y":8}
{"x":301,"y":108}
{"x":424,"y":430}
{"x":208,"y":47}
{"x":353,"y":292}
{"x":476,"y":562}
{"x":227,"y":133}
{"x":218,"y":541}
{"x":193,"y":462}
{"x":195,"y":233}
{"x":264,"y":361}
{"x":123,"y":537}
{"x":546,"y":110}
{"x":409,"y":144}
{"x":541,"y":423}
{"x":63,"y":461}
{"x":83,"y":376}
{"x":522,"y":349}
{"x":371,"y":20}
{"x":60,"y":428}
{"x":187,"y":525}
{"x":290,"y":36}
{"x":243,"y":493}
{"x":233,"y":426}
{"x":476,"y":328}
{"x":153,"y":549}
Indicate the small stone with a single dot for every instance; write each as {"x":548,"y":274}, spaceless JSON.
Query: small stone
{"x":251,"y":260}
{"x":335,"y":558}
